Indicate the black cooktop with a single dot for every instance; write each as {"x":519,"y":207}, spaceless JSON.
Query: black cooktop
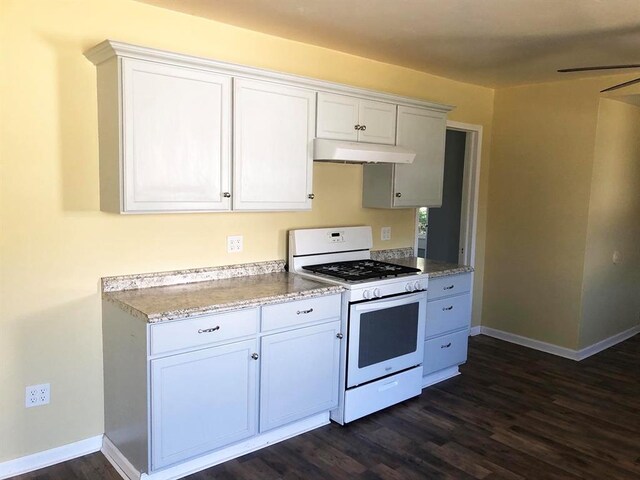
{"x":358,"y":270}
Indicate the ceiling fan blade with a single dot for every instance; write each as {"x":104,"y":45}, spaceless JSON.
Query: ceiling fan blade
{"x":620,"y":85}
{"x":601,"y":67}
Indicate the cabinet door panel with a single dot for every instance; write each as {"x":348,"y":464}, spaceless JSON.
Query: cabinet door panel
{"x":176,"y":142}
{"x":420,"y":183}
{"x":379,"y":118}
{"x":202,"y":400}
{"x":273,"y":133}
{"x":337,"y":117}
{"x":299,"y":374}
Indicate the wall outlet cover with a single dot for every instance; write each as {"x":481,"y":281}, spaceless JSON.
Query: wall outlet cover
{"x":385,"y":233}
{"x":234,"y":243}
{"x":36,"y":395}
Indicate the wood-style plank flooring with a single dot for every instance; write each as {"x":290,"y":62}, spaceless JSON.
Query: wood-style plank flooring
{"x":514,"y":413}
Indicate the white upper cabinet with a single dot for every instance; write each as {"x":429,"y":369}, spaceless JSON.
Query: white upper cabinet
{"x":175,"y":138}
{"x":418,"y":184}
{"x":273,"y":129}
{"x":341,"y":117}
{"x":171,"y":142}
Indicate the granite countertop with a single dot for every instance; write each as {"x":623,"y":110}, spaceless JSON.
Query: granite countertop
{"x":433,"y":268}
{"x":191,"y":298}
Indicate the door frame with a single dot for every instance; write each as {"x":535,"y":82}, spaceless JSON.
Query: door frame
{"x":470,"y":192}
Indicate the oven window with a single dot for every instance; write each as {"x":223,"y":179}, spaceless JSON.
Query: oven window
{"x":388,"y":333}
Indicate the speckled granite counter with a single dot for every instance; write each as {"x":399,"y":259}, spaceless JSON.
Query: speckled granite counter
{"x":184,"y":294}
{"x":402,"y":256}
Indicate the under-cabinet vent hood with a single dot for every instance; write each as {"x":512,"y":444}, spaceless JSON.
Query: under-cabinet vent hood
{"x":354,"y":152}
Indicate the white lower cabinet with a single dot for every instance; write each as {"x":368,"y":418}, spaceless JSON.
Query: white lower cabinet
{"x":299,"y":374}
{"x":187,"y":392}
{"x":202,"y":400}
{"x":447,"y":326}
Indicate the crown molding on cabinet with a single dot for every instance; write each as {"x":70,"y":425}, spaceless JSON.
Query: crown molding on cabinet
{"x":110,"y":48}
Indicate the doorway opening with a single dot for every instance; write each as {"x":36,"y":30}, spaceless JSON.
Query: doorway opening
{"x":448,"y":233}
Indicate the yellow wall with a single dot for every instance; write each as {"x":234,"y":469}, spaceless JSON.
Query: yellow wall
{"x":611,"y":292}
{"x":55,"y":242}
{"x":541,"y":173}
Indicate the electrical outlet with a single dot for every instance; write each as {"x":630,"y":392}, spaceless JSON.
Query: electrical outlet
{"x":385,"y":233}
{"x":36,"y":395}
{"x":234,"y":244}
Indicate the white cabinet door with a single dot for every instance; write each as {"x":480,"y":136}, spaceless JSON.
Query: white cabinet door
{"x":337,"y":117}
{"x":419,"y":184}
{"x":273,"y":150}
{"x":299,"y":374}
{"x":176,"y":138}
{"x":341,"y":117}
{"x":202,"y":400}
{"x":377,"y":122}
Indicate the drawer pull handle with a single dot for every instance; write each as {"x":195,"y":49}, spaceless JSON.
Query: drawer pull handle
{"x":446,"y":346}
{"x":339,"y":336}
{"x":450,"y":307}
{"x":448,"y":288}
{"x":209,"y":330}
{"x":255,"y":356}
{"x":388,"y":386}
{"x":302,"y":312}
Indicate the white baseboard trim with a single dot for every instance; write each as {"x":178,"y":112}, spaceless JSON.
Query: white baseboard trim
{"x":440,"y":376}
{"x":473,"y":331}
{"x":569,"y":353}
{"x":50,"y":457}
{"x":606,"y":343}
{"x":128,"y":472}
{"x":530,"y":343}
{"x":119,"y":461}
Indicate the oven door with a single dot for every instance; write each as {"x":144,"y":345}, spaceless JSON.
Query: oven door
{"x":385,"y":336}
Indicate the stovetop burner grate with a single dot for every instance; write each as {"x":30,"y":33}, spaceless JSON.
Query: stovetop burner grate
{"x":358,"y":270}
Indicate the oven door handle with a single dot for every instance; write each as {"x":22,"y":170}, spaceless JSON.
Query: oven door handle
{"x":394,"y":302}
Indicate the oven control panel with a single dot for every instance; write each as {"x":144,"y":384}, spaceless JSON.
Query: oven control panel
{"x":371,"y":293}
{"x":335,"y":237}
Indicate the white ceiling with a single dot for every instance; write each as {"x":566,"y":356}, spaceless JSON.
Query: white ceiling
{"x":487,"y":42}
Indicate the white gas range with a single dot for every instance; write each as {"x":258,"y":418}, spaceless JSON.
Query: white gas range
{"x":383,"y":314}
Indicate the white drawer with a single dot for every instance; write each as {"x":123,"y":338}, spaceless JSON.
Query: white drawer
{"x":449,"y":285}
{"x":194,"y":332}
{"x":448,"y":314}
{"x":300,"y":312}
{"x":380,"y":394}
{"x":445,"y":351}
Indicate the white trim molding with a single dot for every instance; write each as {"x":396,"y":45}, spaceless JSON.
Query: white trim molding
{"x":129,"y":472}
{"x":473,"y":331}
{"x":50,"y":457}
{"x":607,"y":342}
{"x":569,"y":353}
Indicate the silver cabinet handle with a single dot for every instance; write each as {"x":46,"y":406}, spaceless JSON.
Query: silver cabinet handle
{"x":450,"y":307}
{"x":209,"y":330}
{"x":226,"y":195}
{"x":311,"y":196}
{"x":446,"y":346}
{"x":398,"y":194}
{"x":363,"y":127}
{"x":339,"y":336}
{"x":255,"y":356}
{"x":302,"y":312}
{"x":356,"y":127}
{"x":448,"y":288}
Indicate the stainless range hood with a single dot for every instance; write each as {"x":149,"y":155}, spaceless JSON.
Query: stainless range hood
{"x":354,"y":152}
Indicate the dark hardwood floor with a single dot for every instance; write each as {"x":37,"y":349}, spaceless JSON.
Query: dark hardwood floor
{"x":513,"y":413}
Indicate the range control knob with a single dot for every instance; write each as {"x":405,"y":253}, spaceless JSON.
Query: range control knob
{"x":408,"y":287}
{"x":417,"y":285}
{"x":376,"y":293}
{"x":366,"y":294}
